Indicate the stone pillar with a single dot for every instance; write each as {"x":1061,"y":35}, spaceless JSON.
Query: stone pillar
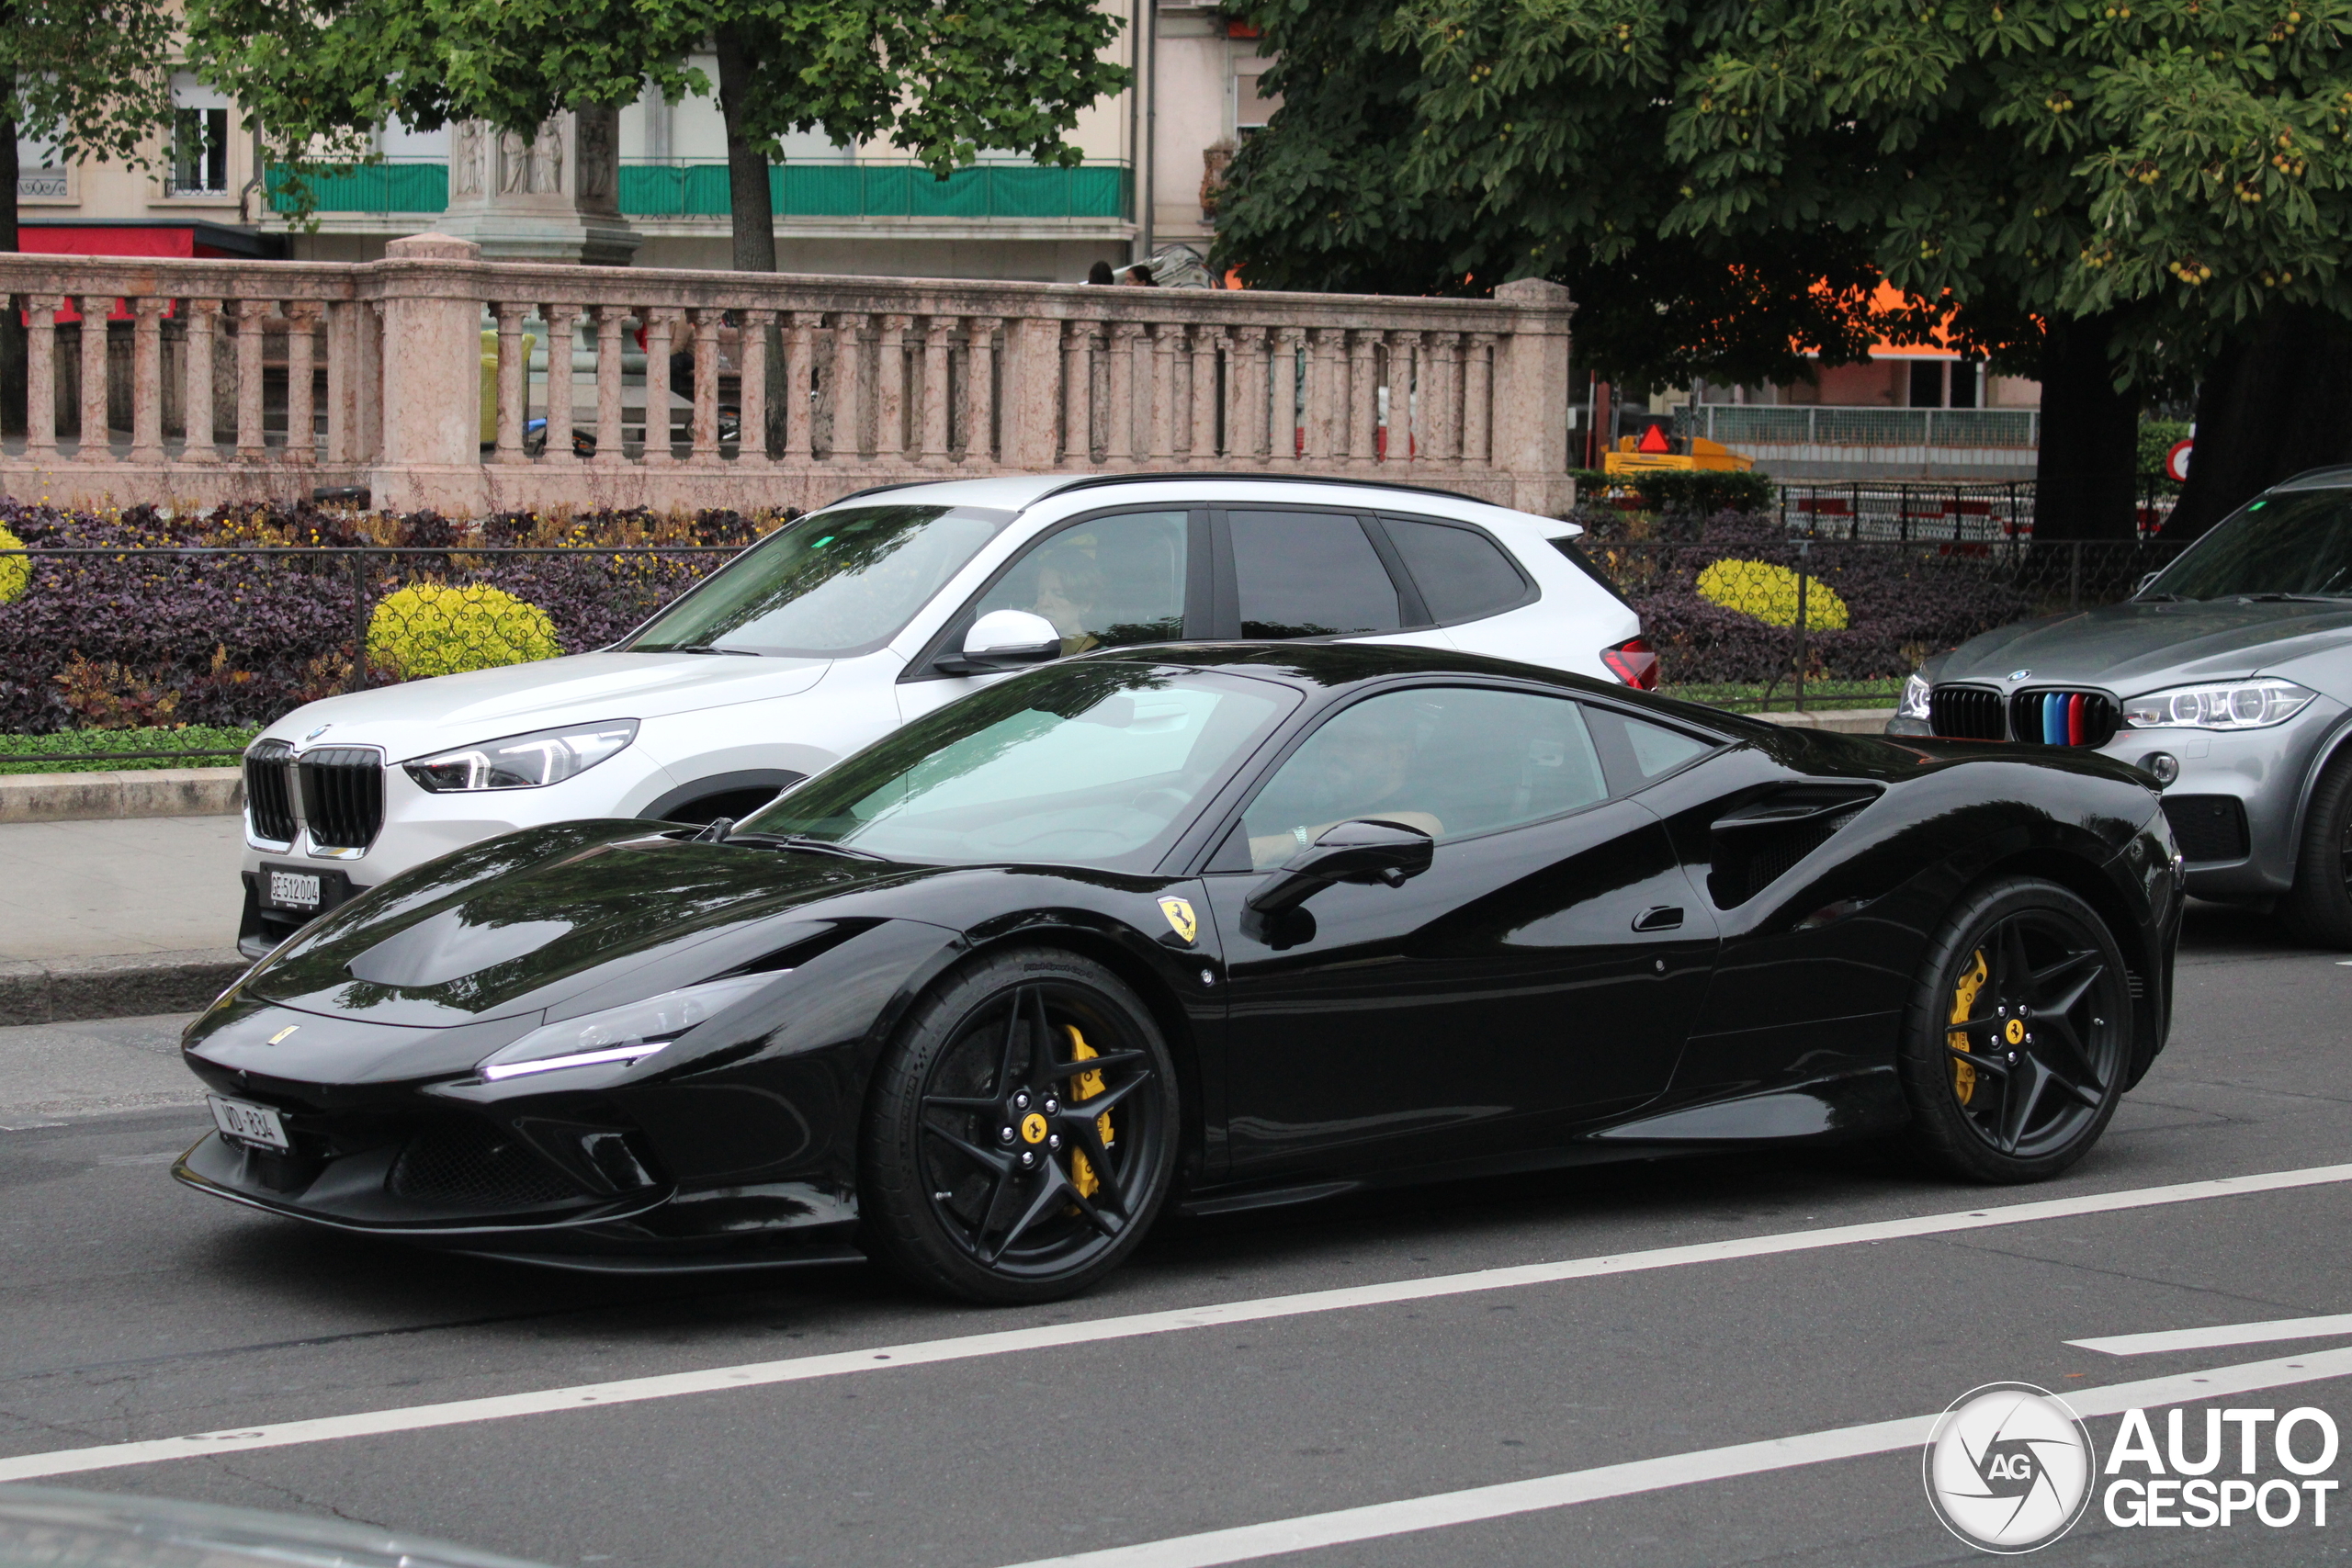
{"x":554,"y":196}
{"x":431,"y":451}
{"x":1530,"y":396}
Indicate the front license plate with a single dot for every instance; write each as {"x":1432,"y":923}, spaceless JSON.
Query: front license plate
{"x":292,"y":890}
{"x":248,"y":1123}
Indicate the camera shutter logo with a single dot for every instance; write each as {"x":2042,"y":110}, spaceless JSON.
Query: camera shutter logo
{"x":2010,"y":1468}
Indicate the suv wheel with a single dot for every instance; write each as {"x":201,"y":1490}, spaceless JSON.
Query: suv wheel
{"x":2319,"y":907}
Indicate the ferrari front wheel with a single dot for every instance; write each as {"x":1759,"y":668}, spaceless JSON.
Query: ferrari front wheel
{"x":1021,"y":1133}
{"x":2019,"y":1034}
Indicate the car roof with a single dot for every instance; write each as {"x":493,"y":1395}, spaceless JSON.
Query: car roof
{"x":1019,"y":492}
{"x":1331,"y":666}
{"x":2335,"y":476}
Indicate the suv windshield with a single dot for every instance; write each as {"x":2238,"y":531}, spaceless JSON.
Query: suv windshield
{"x":828,"y":586}
{"x":1099,"y":764}
{"x":2297,"y":543}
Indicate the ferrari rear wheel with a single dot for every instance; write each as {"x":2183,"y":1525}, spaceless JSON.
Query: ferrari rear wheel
{"x":1022,"y":1131}
{"x":2019,"y":1036}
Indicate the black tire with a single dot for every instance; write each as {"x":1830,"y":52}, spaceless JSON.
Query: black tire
{"x":2023,"y":1087}
{"x":2318,"y":909}
{"x":986,"y":1073}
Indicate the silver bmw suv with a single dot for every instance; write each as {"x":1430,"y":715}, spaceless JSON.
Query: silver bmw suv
{"x":2227,"y":678}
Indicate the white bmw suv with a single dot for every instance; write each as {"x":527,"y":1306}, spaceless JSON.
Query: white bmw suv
{"x":856,"y":619}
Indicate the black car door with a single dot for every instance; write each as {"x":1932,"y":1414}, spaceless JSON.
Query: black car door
{"x":1542,"y":973}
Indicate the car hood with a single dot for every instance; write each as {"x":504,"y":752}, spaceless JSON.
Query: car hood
{"x":571,"y":917}
{"x":2137,"y":647}
{"x":416,"y":717}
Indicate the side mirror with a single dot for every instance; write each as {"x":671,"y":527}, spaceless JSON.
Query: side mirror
{"x":1006,"y":639}
{"x":1366,"y":850}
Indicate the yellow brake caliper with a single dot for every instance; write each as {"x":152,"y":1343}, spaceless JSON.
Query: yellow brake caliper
{"x":1084,"y":1086}
{"x":1963,"y":1003}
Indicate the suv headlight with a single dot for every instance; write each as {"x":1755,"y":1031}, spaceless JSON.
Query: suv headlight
{"x":523,"y":761}
{"x":626,"y":1033}
{"x":2226,"y":704}
{"x":1913,"y":704}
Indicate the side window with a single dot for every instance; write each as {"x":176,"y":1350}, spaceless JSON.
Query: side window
{"x":1112,"y":583}
{"x":1309,"y":574}
{"x":1638,"y":751}
{"x":1452,"y":760}
{"x":1462,"y":573}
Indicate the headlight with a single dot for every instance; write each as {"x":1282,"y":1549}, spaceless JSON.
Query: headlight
{"x":523,"y":761}
{"x":1915,"y":699}
{"x":626,"y":1033}
{"x":2228,"y":704}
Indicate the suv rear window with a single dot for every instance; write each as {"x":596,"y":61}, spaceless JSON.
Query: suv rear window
{"x":1462,"y":573}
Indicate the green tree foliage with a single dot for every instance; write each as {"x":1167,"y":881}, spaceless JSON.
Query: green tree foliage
{"x":943,"y":82}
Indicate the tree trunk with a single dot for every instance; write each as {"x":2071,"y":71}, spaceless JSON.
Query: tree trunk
{"x":2085,"y":486}
{"x":751,"y":211}
{"x":12,"y":325}
{"x":2273,"y":404}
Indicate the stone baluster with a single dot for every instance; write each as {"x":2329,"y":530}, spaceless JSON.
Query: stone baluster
{"x":659,"y":326}
{"x":1363,"y":398}
{"x":935,"y":389}
{"x":1119,"y":444}
{"x":196,"y":381}
{"x":563,"y":329}
{"x":301,"y":383}
{"x":95,"y":310}
{"x":1477,"y":399}
{"x":1316,"y":419}
{"x":1206,"y":343}
{"x":704,"y":448}
{"x":1402,"y":437}
{"x":849,"y":333}
{"x":611,"y":321}
{"x":891,"y":388}
{"x":1078,"y":395}
{"x":751,"y":405}
{"x":40,"y":373}
{"x":980,"y":390}
{"x":514,"y":380}
{"x":1246,"y":377}
{"x":1163,"y":392}
{"x":799,"y":383}
{"x":367,"y":335}
{"x":1446,"y":428}
{"x":253,"y":332}
{"x":342,"y":395}
{"x":147,"y":379}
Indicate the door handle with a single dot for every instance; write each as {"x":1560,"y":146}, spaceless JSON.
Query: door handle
{"x":1663,"y":918}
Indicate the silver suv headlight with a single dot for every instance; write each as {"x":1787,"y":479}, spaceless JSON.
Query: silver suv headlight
{"x":523,"y":761}
{"x":1914,"y":703}
{"x":2225,"y":704}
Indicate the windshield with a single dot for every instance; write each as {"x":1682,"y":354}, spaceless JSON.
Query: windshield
{"x":2297,"y":543}
{"x":831,"y":585}
{"x":1098,"y":764}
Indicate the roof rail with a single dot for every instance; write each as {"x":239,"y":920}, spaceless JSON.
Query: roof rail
{"x":1093,"y":481}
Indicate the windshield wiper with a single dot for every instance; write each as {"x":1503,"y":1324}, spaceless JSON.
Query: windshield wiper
{"x":709,"y":647}
{"x":799,"y":841}
{"x":2288,"y":598}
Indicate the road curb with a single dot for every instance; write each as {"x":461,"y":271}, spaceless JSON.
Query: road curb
{"x":135,"y":792}
{"x":1842,"y":721}
{"x":58,"y":991}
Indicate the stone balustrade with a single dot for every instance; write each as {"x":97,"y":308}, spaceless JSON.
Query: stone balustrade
{"x":236,"y":380}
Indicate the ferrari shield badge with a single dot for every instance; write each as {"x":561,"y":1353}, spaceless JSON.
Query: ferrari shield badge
{"x":1180,"y":915}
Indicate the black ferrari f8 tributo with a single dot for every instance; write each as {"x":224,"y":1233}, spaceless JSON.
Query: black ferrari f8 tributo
{"x":1210,"y":926}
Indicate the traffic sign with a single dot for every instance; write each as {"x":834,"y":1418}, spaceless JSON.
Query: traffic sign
{"x":2177,"y":461}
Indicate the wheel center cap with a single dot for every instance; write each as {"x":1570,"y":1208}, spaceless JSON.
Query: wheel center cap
{"x":2015,"y":1033}
{"x":1032,"y":1128}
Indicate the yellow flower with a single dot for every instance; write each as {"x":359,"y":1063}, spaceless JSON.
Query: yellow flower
{"x":1768,"y":594}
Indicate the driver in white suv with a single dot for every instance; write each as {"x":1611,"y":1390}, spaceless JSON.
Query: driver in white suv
{"x":853,"y":620}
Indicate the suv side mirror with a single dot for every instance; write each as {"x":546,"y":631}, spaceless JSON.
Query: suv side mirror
{"x":1366,"y":850}
{"x":1006,"y":639}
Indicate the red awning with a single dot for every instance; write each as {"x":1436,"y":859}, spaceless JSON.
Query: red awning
{"x":179,"y":240}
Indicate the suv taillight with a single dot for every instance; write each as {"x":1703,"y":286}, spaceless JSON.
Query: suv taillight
{"x":1634,"y":662}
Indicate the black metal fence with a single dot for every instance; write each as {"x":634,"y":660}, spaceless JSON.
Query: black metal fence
{"x":1907,"y":510}
{"x":109,"y":636}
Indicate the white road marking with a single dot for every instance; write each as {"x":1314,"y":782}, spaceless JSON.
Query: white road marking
{"x":887,"y":1358}
{"x":1408,"y":1515}
{"x":2218,"y":1335}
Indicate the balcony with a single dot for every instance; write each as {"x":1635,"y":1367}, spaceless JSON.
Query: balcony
{"x":867,"y":190}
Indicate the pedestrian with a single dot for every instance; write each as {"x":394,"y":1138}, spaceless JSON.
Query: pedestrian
{"x":1099,"y":273}
{"x":1140,"y":276}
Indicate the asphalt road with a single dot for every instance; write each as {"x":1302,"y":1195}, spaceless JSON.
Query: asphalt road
{"x":132,"y":1310}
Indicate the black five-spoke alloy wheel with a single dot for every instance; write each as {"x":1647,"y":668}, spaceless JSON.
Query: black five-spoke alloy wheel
{"x":1022,"y":1131}
{"x":2020,"y":1034}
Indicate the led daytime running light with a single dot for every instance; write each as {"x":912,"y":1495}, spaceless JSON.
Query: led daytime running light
{"x":2224,"y":705}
